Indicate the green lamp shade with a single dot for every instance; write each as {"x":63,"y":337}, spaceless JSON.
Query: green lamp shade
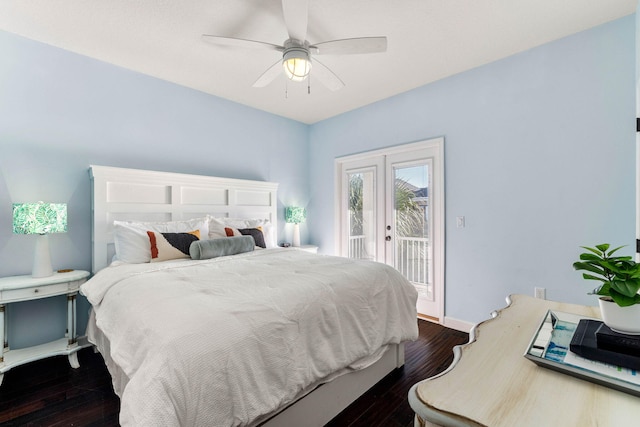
{"x":39,"y":218}
{"x":294,"y":215}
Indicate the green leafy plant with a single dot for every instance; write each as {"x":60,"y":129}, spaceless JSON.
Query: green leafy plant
{"x":620,"y":275}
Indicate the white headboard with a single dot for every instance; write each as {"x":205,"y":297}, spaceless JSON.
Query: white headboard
{"x":140,"y":195}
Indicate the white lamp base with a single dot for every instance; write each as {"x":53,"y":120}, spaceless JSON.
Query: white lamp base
{"x":296,"y":235}
{"x":42,"y":258}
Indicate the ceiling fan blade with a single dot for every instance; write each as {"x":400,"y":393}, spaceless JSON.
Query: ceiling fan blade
{"x":270,"y":75}
{"x":243,"y":43}
{"x":326,"y":76}
{"x":350,"y":46}
{"x":296,"y":16}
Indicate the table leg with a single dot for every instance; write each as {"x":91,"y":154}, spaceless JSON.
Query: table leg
{"x":71,"y":329}
{"x":73,"y":360}
{"x":3,"y":335}
{"x":71,"y":318}
{"x":75,"y":318}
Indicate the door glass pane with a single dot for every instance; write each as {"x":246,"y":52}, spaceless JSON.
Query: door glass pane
{"x":412,"y":227}
{"x":362,"y":215}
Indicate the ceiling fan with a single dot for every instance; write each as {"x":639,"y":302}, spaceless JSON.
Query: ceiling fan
{"x":296,"y":50}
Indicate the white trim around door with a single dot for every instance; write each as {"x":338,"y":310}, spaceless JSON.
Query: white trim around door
{"x":374,"y":173}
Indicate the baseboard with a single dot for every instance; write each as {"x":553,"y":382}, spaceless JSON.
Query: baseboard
{"x":457,"y":324}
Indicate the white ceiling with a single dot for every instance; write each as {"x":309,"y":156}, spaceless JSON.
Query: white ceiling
{"x":427,"y":40}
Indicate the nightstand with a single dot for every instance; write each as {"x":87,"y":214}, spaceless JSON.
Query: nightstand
{"x":308,"y":248}
{"x":26,"y":288}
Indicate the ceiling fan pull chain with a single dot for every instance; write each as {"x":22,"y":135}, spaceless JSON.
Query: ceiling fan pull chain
{"x":309,"y":85}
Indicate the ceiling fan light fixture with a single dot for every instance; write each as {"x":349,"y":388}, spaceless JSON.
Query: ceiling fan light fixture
{"x":296,"y":64}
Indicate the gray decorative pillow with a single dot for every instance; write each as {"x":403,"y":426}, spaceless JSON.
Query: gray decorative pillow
{"x":257,"y":235}
{"x":213,"y":248}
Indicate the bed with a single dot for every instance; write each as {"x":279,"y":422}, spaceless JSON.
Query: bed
{"x":264,"y":336}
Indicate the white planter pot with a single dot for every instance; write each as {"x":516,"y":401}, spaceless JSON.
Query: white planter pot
{"x":625,"y":320}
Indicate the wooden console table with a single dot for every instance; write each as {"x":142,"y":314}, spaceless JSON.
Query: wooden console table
{"x":490,"y":383}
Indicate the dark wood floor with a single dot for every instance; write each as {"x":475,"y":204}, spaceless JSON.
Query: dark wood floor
{"x":50,"y":393}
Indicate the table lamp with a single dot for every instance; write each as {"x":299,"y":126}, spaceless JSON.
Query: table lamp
{"x":40,"y":218}
{"x":294,"y":215}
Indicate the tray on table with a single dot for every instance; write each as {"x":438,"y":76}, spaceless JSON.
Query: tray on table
{"x":550,"y":348}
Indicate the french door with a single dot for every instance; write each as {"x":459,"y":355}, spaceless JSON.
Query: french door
{"x":391,"y":210}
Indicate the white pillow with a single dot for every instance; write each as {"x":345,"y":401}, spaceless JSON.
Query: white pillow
{"x":217,"y":228}
{"x":217,"y":225}
{"x":132,"y":242}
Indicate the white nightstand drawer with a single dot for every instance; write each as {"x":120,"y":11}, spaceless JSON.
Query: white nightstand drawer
{"x":35,"y":292}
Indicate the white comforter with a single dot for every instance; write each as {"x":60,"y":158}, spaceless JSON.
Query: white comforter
{"x":223,"y":342}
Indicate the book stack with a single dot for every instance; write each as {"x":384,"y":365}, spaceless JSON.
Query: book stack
{"x":594,"y":340}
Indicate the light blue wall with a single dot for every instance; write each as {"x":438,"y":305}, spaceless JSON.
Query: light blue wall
{"x":61,"y":112}
{"x":539,"y":158}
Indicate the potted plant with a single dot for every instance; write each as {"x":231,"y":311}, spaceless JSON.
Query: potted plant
{"x":620,"y":276}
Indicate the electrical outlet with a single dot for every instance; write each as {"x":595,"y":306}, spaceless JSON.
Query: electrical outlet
{"x":540,"y":293}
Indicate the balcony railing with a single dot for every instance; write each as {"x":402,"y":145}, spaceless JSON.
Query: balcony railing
{"x":411,"y":258}
{"x":357,"y":249}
